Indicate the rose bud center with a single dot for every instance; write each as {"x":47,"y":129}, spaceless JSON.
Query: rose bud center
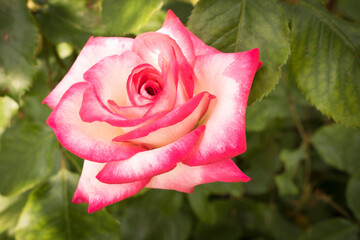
{"x":150,"y":89}
{"x":144,"y":84}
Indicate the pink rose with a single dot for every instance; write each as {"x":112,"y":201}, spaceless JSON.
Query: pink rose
{"x":163,"y":110}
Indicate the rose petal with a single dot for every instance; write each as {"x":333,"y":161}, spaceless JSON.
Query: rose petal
{"x":108,"y":77}
{"x":139,"y":76}
{"x":99,"y":194}
{"x":200,"y":47}
{"x":172,"y":125}
{"x":91,"y":110}
{"x":130,"y":112}
{"x":229,"y":78}
{"x":157,"y":49}
{"x":147,"y":164}
{"x":184,"y":178}
{"x":90,"y":141}
{"x":94,"y":50}
{"x":166,"y":98}
{"x":173,"y":27}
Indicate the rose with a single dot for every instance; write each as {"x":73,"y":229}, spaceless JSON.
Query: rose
{"x":163,"y":110}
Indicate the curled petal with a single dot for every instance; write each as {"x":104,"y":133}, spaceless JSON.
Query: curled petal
{"x":140,"y":76}
{"x":184,"y":178}
{"x":172,"y":125}
{"x":94,"y":50}
{"x":158,"y":49}
{"x":147,"y":164}
{"x":166,"y":98}
{"x":92,"y":110}
{"x":90,"y":141}
{"x":98,"y":194}
{"x":130,"y":112}
{"x":108,"y":77}
{"x":229,"y":78}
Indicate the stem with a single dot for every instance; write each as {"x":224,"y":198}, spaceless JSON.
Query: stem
{"x":63,"y":154}
{"x":47,"y":62}
{"x":57,"y":57}
{"x":306,"y":141}
{"x":304,"y":137}
{"x":63,"y":161}
{"x":327,"y":199}
{"x":292,"y":2}
{"x":331,"y":5}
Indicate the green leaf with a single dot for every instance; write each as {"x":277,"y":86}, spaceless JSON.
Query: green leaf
{"x":199,"y":202}
{"x":332,"y":229}
{"x":155,"y":22}
{"x":263,"y":157}
{"x":5,"y":236}
{"x":291,"y":160}
{"x":325,"y":61}
{"x":18,"y":40}
{"x":281,"y":228}
{"x":76,"y":162}
{"x":34,"y":110}
{"x":350,"y":8}
{"x":353,"y":194}
{"x":240,"y":25}
{"x":129,"y":16}
{"x":8,"y":108}
{"x":256,"y":219}
{"x":182,"y":9}
{"x":10,"y":209}
{"x":168,"y":202}
{"x":72,"y":21}
{"x":235,"y":189}
{"x":25,"y":157}
{"x":139,"y":223}
{"x":285,"y":185}
{"x":226,"y":227}
{"x":49,"y":214}
{"x":260,"y":114}
{"x":338,"y":146}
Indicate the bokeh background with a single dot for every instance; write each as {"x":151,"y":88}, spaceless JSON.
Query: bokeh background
{"x":302,"y":122}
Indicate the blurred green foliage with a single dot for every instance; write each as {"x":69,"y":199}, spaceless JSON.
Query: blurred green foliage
{"x":302,"y":122}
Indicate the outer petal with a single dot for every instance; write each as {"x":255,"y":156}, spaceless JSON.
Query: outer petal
{"x":92,"y":141}
{"x":173,"y":27}
{"x":229,"y":78}
{"x":147,"y":164}
{"x":109,"y":76}
{"x":184,"y":178}
{"x":94,"y":50}
{"x":200,"y":47}
{"x":171,"y":126}
{"x":99,"y":194}
{"x":190,"y":44}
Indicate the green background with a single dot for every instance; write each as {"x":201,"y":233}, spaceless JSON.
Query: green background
{"x":302,"y":122}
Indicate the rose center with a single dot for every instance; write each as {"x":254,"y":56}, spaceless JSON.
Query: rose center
{"x":144,"y":85}
{"x":151,"y":91}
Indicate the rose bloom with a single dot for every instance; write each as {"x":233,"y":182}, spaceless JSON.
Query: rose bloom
{"x":163,"y":110}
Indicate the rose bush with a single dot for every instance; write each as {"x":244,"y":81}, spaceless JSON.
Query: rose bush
{"x":163,"y":110}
